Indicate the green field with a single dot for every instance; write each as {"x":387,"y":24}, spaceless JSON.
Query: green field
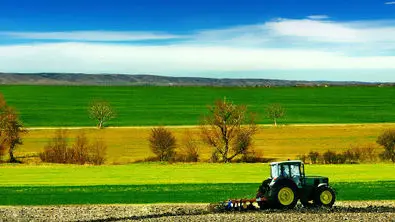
{"x":163,"y":183}
{"x":171,"y":193}
{"x":67,"y":105}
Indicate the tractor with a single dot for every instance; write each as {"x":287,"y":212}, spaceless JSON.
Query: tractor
{"x":288,"y":183}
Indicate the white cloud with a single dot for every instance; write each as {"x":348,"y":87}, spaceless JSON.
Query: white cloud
{"x":390,"y":3}
{"x":248,"y":35}
{"x":374,"y":37}
{"x":103,"y":58}
{"x":91,"y":36}
{"x":318,"y":17}
{"x":335,"y":32}
{"x":313,"y":30}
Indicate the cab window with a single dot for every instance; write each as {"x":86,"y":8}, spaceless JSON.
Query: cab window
{"x":286,"y":171}
{"x":295,"y":170}
{"x":275,"y":171}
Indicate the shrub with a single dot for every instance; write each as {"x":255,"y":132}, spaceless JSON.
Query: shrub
{"x":98,"y":152}
{"x":340,"y":158}
{"x":252,"y":156}
{"x":2,"y":148}
{"x":56,"y":151}
{"x":361,"y":153}
{"x":329,"y":157}
{"x":215,"y":157}
{"x":162,"y":143}
{"x":302,"y":157}
{"x":387,"y":140}
{"x":384,"y":156}
{"x":81,"y":152}
{"x":147,"y":159}
{"x":368,"y":153}
{"x":352,"y":155}
{"x":313,"y":156}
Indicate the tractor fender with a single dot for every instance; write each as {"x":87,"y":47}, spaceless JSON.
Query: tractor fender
{"x":267,"y":182}
{"x":322,"y":185}
{"x":263,"y":187}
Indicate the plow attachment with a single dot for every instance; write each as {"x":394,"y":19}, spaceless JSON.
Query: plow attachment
{"x":241,"y":204}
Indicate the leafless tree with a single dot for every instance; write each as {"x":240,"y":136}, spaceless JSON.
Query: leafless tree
{"x":98,"y":152}
{"x":274,"y":112}
{"x":190,"y":148}
{"x":101,"y":111}
{"x":80,"y":149}
{"x":228,"y":129}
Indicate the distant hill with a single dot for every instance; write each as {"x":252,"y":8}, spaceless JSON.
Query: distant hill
{"x":141,"y":80}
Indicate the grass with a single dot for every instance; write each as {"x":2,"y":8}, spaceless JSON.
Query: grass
{"x":175,"y":183}
{"x":171,"y":193}
{"x":67,"y":105}
{"x":126,"y":145}
{"x":156,"y":173}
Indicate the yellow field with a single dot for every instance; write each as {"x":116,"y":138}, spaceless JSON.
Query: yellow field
{"x":126,"y":145}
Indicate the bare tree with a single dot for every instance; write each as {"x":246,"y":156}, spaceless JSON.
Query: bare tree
{"x":190,"y":148}
{"x":162,"y":143}
{"x":387,"y":140}
{"x":228,"y":130}
{"x":274,"y":112}
{"x":101,"y":111}
{"x":11,"y":130}
{"x":80,"y":149}
{"x":98,"y":152}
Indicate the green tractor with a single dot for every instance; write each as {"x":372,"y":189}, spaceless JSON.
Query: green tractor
{"x":288,"y":183}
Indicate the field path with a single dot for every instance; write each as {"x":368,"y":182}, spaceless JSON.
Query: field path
{"x":193,"y":126}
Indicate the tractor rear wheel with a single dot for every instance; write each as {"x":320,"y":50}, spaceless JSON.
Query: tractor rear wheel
{"x":325,"y":196}
{"x":284,"y":196}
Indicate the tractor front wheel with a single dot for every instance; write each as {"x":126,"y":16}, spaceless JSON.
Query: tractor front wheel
{"x":325,"y":196}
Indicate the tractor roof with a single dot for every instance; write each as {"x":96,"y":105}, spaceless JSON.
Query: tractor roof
{"x":287,"y":162}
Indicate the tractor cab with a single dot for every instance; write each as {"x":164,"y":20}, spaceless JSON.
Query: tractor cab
{"x":293,"y":170}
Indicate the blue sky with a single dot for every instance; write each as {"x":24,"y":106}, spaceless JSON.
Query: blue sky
{"x":278,"y":39}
